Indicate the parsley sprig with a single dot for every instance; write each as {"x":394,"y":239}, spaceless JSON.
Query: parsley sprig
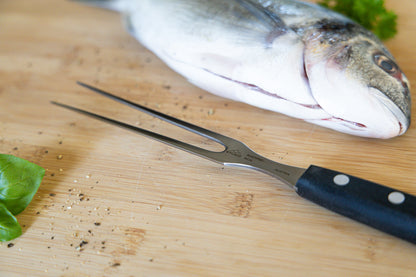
{"x":371,"y":14}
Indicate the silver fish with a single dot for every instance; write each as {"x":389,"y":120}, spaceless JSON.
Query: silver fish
{"x":287,"y":56}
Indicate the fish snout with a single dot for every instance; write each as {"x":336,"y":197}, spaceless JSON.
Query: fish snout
{"x":355,"y":108}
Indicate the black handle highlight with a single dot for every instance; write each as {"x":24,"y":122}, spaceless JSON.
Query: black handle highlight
{"x":381,"y":207}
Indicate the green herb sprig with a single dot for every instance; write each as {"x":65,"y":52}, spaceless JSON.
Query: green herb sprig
{"x":371,"y":14}
{"x":19,"y":181}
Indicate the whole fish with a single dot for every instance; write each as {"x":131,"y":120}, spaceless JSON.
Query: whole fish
{"x":287,"y":56}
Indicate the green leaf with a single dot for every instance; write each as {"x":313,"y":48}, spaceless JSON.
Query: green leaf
{"x":9,"y":228}
{"x":371,"y":14}
{"x":19,"y":181}
{"x":387,"y":26}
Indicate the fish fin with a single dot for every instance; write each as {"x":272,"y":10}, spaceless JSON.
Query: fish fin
{"x":115,"y":5}
{"x":266,"y":16}
{"x":128,"y":24}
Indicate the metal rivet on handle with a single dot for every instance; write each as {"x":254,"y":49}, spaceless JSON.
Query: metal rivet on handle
{"x":396,"y":197}
{"x":341,"y":180}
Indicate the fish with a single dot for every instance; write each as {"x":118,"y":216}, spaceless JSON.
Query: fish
{"x":291,"y":57}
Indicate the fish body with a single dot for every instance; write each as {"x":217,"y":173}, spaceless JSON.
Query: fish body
{"x":287,"y":56}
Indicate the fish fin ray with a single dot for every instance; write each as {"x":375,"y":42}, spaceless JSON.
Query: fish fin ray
{"x":267,"y":17}
{"x":128,"y":24}
{"x":115,"y":5}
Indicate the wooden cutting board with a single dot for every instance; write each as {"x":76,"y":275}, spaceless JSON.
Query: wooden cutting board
{"x":114,"y":203}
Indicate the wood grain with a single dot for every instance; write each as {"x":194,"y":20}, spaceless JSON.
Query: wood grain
{"x":118,"y":204}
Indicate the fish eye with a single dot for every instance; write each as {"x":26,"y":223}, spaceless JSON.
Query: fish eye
{"x":385,"y":63}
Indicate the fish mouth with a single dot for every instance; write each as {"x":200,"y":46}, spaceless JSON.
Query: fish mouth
{"x":402,"y":119}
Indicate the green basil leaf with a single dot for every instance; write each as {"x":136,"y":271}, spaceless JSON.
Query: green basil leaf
{"x":19,"y":181}
{"x":9,"y":228}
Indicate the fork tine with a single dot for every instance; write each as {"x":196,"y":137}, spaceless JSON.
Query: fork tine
{"x":212,"y":155}
{"x":224,"y":140}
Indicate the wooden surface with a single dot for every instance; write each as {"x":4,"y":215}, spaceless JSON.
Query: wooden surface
{"x":114,"y":203}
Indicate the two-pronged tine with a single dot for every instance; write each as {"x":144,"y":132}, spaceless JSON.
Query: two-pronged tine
{"x":212,"y":155}
{"x":168,"y":140}
{"x":235,"y":153}
{"x":175,"y":121}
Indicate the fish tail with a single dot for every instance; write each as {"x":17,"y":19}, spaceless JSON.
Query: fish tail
{"x":116,"y":5}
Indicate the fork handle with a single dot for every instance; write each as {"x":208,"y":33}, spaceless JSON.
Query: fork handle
{"x":381,"y":207}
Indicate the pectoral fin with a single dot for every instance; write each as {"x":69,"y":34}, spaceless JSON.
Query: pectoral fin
{"x":116,"y":5}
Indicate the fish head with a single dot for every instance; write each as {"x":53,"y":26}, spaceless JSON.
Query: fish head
{"x":355,"y":79}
